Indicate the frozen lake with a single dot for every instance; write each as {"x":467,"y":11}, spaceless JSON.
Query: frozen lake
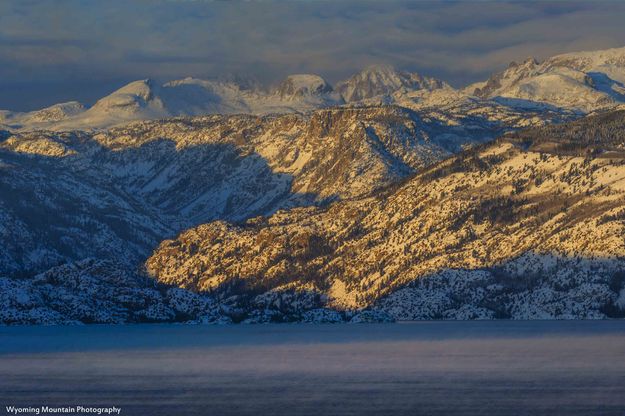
{"x":427,"y":368}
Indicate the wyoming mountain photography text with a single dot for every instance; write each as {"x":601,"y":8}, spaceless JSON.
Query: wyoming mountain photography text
{"x":62,"y":410}
{"x":312,"y":207}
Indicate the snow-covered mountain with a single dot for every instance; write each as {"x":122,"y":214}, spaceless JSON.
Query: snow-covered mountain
{"x":98,"y":291}
{"x":43,"y":117}
{"x":530,"y":226}
{"x":158,"y":177}
{"x":582,"y":81}
{"x":147,"y":100}
{"x":378,"y":81}
{"x":575,"y":82}
{"x":389,"y":197}
{"x":114,"y":195}
{"x":303,"y":85}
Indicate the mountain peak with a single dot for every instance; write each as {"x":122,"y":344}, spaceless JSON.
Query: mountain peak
{"x":143,"y":89}
{"x":301,"y":85}
{"x":383,"y":79}
{"x":580,"y":81}
{"x":528,"y":62}
{"x":379,"y":69}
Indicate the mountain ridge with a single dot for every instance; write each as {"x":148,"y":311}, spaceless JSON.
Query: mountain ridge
{"x":580,"y":82}
{"x":528,"y":226}
{"x":584,"y":81}
{"x":498,"y":205}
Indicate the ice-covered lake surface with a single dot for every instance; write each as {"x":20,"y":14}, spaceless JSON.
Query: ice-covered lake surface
{"x":439,"y":368}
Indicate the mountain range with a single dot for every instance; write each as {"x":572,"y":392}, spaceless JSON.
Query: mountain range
{"x":579,"y":82}
{"x":390,"y":196}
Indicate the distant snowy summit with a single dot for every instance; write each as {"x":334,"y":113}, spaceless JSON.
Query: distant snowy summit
{"x":579,"y":82}
{"x":583,"y":81}
{"x":379,"y":80}
{"x":303,"y":85}
{"x":146,"y":100}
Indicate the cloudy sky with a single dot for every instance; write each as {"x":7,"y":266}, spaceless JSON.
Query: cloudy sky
{"x":52,"y":51}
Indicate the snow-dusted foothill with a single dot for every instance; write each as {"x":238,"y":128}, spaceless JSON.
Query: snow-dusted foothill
{"x":529,"y":226}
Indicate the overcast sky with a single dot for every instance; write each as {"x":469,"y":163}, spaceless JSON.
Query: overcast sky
{"x":53,"y":51}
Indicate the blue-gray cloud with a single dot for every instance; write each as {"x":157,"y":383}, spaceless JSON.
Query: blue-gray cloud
{"x":52,"y":51}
